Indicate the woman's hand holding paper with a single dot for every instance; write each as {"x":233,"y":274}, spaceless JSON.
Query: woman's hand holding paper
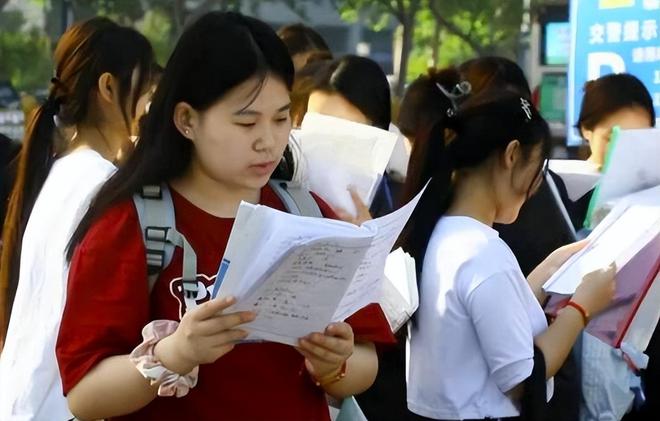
{"x":362,"y":215}
{"x":325,"y":353}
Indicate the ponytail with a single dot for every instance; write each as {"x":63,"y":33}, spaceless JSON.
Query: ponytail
{"x":466,"y":137}
{"x":430,"y":158}
{"x":85,"y":51}
{"x":34,"y":162}
{"x":429,"y":161}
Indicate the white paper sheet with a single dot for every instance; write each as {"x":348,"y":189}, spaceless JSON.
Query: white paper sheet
{"x":366,"y":287}
{"x":400,"y":297}
{"x":339,"y":154}
{"x":302,"y":273}
{"x":578,"y":176}
{"x":623,"y":233}
{"x":299,"y":294}
{"x":397,"y":168}
{"x":633,"y":165}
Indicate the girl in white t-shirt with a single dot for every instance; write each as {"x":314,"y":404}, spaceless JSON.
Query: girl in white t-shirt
{"x":101,"y":85}
{"x":480,"y":345}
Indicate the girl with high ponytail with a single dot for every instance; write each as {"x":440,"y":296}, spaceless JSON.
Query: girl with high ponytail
{"x":480,"y":345}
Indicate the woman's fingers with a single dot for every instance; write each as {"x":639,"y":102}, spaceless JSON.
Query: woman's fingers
{"x":328,"y":349}
{"x":316,"y":353}
{"x":212,"y":308}
{"x":363,"y":213}
{"x":230,"y":337}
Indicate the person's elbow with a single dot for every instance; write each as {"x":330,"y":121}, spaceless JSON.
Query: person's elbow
{"x":365,"y":361}
{"x":78,"y":405}
{"x":370,"y":365}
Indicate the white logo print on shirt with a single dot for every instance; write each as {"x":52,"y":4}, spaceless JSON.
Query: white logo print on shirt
{"x":204,"y":288}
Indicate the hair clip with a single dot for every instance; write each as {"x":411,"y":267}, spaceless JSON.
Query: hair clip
{"x":460,"y":90}
{"x":463,"y":88}
{"x":526,"y":107}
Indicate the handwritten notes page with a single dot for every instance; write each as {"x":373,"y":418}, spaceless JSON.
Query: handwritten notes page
{"x":366,"y":287}
{"x":299,"y":274}
{"x":299,"y":294}
{"x":341,"y":153}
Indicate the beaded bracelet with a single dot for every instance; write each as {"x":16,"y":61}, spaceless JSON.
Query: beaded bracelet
{"x":332,"y":378}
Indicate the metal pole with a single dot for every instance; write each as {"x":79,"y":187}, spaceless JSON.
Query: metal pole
{"x":66,"y":9}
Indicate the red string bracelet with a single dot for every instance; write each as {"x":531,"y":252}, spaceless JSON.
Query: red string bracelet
{"x":583,"y":312}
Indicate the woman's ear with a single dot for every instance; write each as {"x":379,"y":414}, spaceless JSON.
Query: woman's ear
{"x":107,"y":88}
{"x":511,"y":154}
{"x":185,"y":119}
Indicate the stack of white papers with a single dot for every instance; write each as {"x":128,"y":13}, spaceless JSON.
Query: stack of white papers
{"x":340,"y":154}
{"x":629,"y":236}
{"x":299,"y":274}
{"x":632,"y":224}
{"x":400,"y":298}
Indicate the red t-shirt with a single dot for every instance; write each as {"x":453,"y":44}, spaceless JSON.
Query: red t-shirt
{"x":108,"y":304}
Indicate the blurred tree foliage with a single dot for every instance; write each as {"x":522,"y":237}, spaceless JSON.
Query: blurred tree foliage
{"x":431,"y":32}
{"x":25,"y":53}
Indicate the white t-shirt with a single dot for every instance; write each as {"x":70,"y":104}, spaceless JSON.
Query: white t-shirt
{"x":473,"y":339}
{"x":30,"y":384}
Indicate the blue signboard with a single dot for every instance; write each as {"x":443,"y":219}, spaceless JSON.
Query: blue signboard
{"x":612,"y":36}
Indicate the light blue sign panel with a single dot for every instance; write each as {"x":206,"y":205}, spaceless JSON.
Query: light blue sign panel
{"x":612,"y":36}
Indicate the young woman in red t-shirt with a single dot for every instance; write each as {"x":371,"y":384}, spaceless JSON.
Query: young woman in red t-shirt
{"x":217,"y":128}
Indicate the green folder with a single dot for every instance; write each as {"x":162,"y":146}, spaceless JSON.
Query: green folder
{"x":614,"y":140}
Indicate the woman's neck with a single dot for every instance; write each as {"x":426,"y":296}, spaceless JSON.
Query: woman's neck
{"x":218,"y":199}
{"x":473,"y":197}
{"x":111,"y":143}
{"x":596,"y":161}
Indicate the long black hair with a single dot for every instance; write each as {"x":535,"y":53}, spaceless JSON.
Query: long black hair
{"x":481,"y":127}
{"x":84,"y":52}
{"x":216,"y":53}
{"x":363,"y":83}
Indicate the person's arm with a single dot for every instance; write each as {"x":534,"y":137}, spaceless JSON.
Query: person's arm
{"x":361,"y":370}
{"x":325,"y":355}
{"x":118,"y":382}
{"x":557,"y":341}
{"x":594,"y":294}
{"x":115,"y":387}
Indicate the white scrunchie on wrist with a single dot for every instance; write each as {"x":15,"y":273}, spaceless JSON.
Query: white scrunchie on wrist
{"x":171,"y":383}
